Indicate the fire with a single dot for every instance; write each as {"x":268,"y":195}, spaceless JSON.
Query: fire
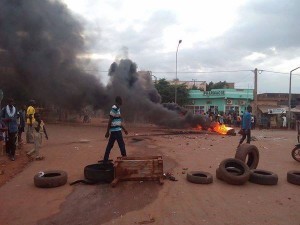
{"x":218,"y":128}
{"x":198,"y":127}
{"x":221,"y":128}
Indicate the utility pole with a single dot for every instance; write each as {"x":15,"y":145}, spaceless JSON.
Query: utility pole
{"x":254,"y":110}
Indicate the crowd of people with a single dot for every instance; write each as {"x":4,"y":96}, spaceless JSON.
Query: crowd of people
{"x":13,"y":123}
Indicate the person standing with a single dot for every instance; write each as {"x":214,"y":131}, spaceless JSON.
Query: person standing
{"x":39,"y":129}
{"x":284,"y":121}
{"x":2,"y":129}
{"x":114,"y":130}
{"x":246,"y":126}
{"x":30,"y":120}
{"x":9,"y":117}
{"x":21,"y":125}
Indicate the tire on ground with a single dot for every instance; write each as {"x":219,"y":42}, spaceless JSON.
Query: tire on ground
{"x":250,"y":151}
{"x":263,"y":177}
{"x":232,"y":170}
{"x":50,"y":179}
{"x":99,"y":172}
{"x":293,"y":177}
{"x":230,"y":177}
{"x":199,"y":177}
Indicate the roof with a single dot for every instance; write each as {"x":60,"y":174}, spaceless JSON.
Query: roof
{"x":264,"y":108}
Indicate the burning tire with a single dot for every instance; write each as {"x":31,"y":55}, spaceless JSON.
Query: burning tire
{"x":263,"y":177}
{"x":226,"y":168}
{"x":50,"y":179}
{"x":250,"y":153}
{"x":99,"y":172}
{"x":293,"y":177}
{"x":199,"y":177}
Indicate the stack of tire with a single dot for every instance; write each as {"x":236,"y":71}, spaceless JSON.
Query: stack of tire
{"x":250,"y":155}
{"x":100,"y":172}
{"x":243,"y":168}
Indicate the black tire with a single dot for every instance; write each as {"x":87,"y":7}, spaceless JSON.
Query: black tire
{"x":293,"y":177}
{"x":199,"y":177}
{"x":296,"y":153}
{"x":233,"y":178}
{"x":50,"y":179}
{"x":232,"y":170}
{"x":263,"y":177}
{"x":99,"y":172}
{"x":250,"y":151}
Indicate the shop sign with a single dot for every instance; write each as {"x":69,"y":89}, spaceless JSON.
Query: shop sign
{"x":276,"y":111}
{"x":217,"y":93}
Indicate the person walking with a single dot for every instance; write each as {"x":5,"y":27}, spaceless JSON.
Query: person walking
{"x":246,"y":126}
{"x":39,"y":129}
{"x":30,"y":120}
{"x":9,"y":117}
{"x":114,"y":130}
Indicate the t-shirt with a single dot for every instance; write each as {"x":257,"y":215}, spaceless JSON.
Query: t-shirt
{"x":116,"y":123}
{"x":30,"y":111}
{"x":11,"y":113}
{"x":246,"y":121}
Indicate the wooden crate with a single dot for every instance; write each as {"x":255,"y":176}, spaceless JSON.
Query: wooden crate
{"x":138,"y":169}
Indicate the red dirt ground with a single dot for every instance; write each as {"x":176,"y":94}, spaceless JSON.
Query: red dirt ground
{"x":178,"y":202}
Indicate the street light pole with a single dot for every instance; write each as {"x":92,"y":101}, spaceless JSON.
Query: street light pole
{"x":290,"y":97}
{"x":176,"y":72}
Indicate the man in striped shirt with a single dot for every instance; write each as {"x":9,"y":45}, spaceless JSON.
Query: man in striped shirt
{"x":114,"y":129}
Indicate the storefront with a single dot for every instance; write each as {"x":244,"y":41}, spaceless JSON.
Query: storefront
{"x":220,"y":100}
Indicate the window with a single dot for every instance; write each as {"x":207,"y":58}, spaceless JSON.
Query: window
{"x":196,"y":109}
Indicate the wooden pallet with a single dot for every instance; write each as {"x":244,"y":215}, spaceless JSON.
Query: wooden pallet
{"x":148,"y":168}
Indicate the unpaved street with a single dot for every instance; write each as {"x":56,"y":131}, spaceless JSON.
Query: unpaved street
{"x":175,"y":202}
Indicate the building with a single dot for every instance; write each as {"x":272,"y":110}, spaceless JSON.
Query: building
{"x":220,"y":100}
{"x":272,"y":106}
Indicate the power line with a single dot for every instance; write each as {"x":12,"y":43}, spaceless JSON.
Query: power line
{"x":203,"y":72}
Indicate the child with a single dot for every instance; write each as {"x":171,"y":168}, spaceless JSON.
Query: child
{"x":38,"y":130}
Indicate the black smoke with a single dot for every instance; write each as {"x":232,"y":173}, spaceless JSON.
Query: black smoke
{"x":142,"y":101}
{"x":41,"y":40}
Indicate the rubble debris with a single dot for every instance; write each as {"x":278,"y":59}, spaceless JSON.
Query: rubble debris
{"x":169,"y":176}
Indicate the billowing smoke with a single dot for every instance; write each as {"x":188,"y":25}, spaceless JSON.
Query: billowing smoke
{"x":142,"y":101}
{"x":41,"y":41}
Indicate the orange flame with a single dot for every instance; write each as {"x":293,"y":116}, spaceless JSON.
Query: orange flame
{"x":221,"y":129}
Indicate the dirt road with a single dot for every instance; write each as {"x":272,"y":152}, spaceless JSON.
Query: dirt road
{"x":175,"y":202}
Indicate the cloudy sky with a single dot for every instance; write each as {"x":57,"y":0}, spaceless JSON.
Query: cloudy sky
{"x":234,"y":36}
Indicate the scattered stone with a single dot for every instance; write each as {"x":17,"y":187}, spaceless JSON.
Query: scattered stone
{"x":183,"y":172}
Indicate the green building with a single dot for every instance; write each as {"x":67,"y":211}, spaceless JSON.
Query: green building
{"x":220,"y":100}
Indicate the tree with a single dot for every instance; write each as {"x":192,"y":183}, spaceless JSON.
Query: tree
{"x":219,"y":85}
{"x":167,"y":92}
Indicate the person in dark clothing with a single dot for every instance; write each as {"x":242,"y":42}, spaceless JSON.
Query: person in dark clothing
{"x":114,"y":130}
{"x":9,"y":117}
{"x":246,"y":126}
{"x":21,"y":125}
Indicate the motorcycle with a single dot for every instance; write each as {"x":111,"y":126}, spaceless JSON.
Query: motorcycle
{"x":296,"y":152}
